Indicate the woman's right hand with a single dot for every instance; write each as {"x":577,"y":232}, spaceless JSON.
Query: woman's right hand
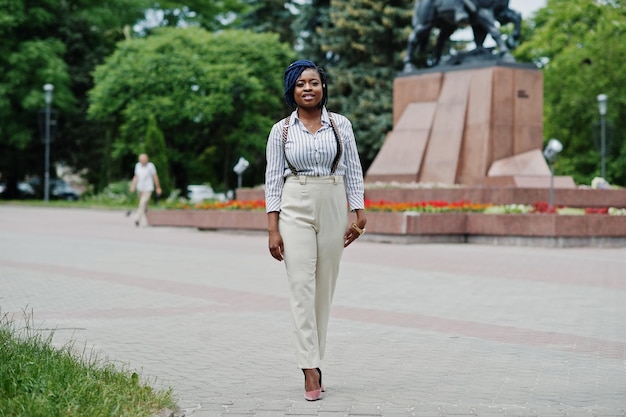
{"x":276,"y":245}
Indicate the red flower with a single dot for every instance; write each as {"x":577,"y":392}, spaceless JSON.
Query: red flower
{"x":543,"y":207}
{"x":597,"y":210}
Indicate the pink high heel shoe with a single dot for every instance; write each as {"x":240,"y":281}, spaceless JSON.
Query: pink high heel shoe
{"x":323,"y":388}
{"x":315,"y":394}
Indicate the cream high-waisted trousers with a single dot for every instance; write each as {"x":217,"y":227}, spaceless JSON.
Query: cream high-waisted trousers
{"x":312,"y":222}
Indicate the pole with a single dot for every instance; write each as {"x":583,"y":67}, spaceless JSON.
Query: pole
{"x":603,"y":144}
{"x":48,"y":88}
{"x":602,"y":106}
{"x":551,"y":186}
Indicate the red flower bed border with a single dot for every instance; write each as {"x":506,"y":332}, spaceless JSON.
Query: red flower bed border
{"x":463,"y":227}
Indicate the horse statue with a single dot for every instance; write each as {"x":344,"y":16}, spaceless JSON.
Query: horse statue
{"x":449,"y":15}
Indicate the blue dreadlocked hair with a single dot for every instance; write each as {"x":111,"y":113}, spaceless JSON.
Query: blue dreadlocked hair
{"x":293,"y":72}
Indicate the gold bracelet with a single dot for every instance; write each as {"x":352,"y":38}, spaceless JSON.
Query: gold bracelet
{"x":358,"y":229}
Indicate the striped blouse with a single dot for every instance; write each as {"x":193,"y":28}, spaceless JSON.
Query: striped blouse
{"x":312,"y":155}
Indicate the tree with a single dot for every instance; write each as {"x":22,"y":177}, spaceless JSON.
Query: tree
{"x":270,"y":16}
{"x":210,"y":15}
{"x":58,"y":43}
{"x":26,"y":64}
{"x":579,"y":46}
{"x":366,"y":39}
{"x":214,"y":95}
{"x":154,"y":146}
{"x":312,"y":19}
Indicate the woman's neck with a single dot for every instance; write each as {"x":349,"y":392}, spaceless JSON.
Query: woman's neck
{"x":309,"y":114}
{"x":311,"y":118}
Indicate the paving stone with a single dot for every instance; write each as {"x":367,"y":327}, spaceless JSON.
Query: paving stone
{"x":416,"y":330}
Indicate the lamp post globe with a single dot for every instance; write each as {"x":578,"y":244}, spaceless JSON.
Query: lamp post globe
{"x":602,"y":103}
{"x":48,"y":89}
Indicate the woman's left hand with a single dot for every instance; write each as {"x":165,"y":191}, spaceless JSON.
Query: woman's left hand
{"x":356,"y":229}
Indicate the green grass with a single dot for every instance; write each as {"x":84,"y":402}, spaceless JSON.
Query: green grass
{"x":72,"y":204}
{"x":40,"y":380}
{"x":114,"y":196}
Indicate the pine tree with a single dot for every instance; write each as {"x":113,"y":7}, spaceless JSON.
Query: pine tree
{"x":313,"y":18}
{"x":156,"y":149}
{"x":264,"y":16}
{"x":366,"y":40}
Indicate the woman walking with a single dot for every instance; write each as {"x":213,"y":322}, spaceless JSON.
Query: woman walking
{"x":313,"y":177}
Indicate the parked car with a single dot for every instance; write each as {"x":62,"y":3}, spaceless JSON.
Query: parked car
{"x":61,"y":190}
{"x":24,"y":190}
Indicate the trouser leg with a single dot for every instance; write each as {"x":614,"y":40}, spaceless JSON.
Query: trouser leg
{"x":333,"y":224}
{"x":300,"y":264}
{"x":300,"y":242}
{"x":144,"y":199}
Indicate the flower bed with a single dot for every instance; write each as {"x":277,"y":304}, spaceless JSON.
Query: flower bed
{"x":420,"y":207}
{"x":432,"y":221}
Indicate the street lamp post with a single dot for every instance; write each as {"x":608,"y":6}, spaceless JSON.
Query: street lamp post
{"x":602,"y":104}
{"x":241,"y":165}
{"x":48,"y":89}
{"x":551,"y":151}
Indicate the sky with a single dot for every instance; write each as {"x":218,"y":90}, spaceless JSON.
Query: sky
{"x":526,"y":7}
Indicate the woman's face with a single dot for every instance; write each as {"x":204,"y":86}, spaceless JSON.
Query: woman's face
{"x":308,"y":92}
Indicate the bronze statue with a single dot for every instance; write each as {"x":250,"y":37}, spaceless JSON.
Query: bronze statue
{"x":449,"y":15}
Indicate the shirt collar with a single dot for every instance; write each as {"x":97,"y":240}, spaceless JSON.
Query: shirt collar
{"x":325,"y":117}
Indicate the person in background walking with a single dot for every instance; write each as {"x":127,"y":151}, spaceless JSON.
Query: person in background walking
{"x":144,"y":180}
{"x":313,"y":176}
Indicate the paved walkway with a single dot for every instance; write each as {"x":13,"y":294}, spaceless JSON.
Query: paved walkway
{"x":416,"y":330}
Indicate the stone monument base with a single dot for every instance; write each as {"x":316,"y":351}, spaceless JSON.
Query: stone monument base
{"x":466,"y":126}
{"x":528,"y":181}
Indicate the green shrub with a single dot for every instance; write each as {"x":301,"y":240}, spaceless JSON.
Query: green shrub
{"x":114,"y":194}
